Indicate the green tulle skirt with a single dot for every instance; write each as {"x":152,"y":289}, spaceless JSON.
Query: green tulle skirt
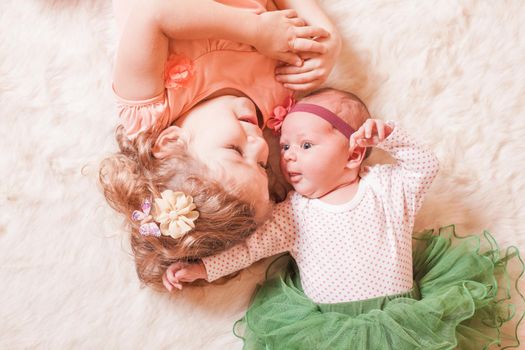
{"x":465,"y":296}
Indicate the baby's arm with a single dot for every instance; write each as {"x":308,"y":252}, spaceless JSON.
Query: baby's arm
{"x":317,"y":66}
{"x":143,"y":46}
{"x":275,"y":236}
{"x":416,"y":167}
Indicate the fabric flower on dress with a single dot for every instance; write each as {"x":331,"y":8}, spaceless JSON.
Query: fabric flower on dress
{"x":178,"y":72}
{"x":175,"y":213}
{"x":279,"y":113}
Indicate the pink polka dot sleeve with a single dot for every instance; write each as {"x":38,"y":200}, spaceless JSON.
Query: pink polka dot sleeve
{"x":412,"y":176}
{"x":277,"y":235}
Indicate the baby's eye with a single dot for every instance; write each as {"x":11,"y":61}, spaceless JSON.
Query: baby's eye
{"x":285,"y":147}
{"x":306,"y":145}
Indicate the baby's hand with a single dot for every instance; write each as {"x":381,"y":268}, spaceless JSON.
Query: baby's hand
{"x":372,"y":132}
{"x":315,"y":69}
{"x":281,"y":35}
{"x":182,"y":272}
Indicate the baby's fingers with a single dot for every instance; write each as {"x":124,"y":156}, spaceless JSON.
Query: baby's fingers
{"x":372,"y":132}
{"x":352,"y":141}
{"x":380,"y":127}
{"x":166,"y":283}
{"x":359,"y":134}
{"x":369,"y":127}
{"x":185,"y":275}
{"x":170,"y":282}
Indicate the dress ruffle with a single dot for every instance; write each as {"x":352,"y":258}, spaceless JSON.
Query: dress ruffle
{"x":140,"y":116}
{"x":465,"y":296}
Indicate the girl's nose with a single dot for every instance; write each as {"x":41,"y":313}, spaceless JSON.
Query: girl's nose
{"x":258,"y":147}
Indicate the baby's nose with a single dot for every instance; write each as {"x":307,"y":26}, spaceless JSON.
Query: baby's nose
{"x":289,"y":154}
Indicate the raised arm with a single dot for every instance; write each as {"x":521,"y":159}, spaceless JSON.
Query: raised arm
{"x":416,"y":165}
{"x":151,"y":24}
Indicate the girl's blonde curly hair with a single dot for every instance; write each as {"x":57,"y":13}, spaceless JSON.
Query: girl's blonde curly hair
{"x":134,"y":174}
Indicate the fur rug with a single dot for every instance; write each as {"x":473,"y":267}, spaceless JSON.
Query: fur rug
{"x":451,"y":72}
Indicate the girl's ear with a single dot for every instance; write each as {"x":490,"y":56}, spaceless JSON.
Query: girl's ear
{"x":356,"y":156}
{"x":169,"y":139}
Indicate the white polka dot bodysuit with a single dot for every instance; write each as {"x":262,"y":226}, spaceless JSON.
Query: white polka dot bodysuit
{"x":355,"y":251}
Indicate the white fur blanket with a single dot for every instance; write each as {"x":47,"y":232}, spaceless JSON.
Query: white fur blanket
{"x":452,"y":72}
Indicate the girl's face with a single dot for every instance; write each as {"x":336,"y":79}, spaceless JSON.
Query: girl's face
{"x":223,"y":133}
{"x":314,"y":155}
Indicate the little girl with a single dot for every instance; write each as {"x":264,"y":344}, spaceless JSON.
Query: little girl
{"x":194,"y":81}
{"x":349,"y":231}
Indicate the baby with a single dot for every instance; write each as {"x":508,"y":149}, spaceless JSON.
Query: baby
{"x":349,"y":229}
{"x":351,"y":226}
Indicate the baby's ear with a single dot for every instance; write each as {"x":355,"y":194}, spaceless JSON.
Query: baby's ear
{"x":356,"y":155}
{"x":168,"y":140}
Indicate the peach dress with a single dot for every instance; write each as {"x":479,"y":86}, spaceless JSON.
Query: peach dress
{"x":198,"y":68}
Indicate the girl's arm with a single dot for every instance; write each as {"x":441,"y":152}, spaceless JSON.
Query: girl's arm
{"x":277,"y":235}
{"x":143,"y":47}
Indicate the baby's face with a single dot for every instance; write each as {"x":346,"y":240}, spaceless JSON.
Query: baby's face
{"x":314,"y":155}
{"x":224,"y":135}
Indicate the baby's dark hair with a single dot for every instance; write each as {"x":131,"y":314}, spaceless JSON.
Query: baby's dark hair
{"x":134,"y":174}
{"x":344,"y":104}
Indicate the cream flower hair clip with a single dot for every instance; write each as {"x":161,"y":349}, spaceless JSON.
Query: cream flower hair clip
{"x":174,"y":211}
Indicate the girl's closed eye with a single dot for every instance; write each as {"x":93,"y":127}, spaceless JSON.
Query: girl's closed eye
{"x":236,"y":149}
{"x":263,"y":165}
{"x":239,"y":151}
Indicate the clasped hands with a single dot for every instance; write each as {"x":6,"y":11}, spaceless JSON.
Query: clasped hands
{"x":308,"y":53}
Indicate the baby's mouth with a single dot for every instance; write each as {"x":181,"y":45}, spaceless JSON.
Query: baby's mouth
{"x":294,"y":176}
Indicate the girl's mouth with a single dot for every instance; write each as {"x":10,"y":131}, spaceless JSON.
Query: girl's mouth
{"x":252,"y":119}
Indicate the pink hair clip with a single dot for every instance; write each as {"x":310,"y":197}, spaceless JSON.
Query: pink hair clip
{"x":279,"y":113}
{"x":147,"y":226}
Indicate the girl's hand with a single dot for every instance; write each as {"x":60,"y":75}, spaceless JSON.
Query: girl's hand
{"x":315,"y":69}
{"x":372,"y":132}
{"x":182,"y":272}
{"x":281,"y":35}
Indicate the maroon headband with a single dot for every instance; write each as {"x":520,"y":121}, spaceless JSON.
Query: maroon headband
{"x":324,"y":113}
